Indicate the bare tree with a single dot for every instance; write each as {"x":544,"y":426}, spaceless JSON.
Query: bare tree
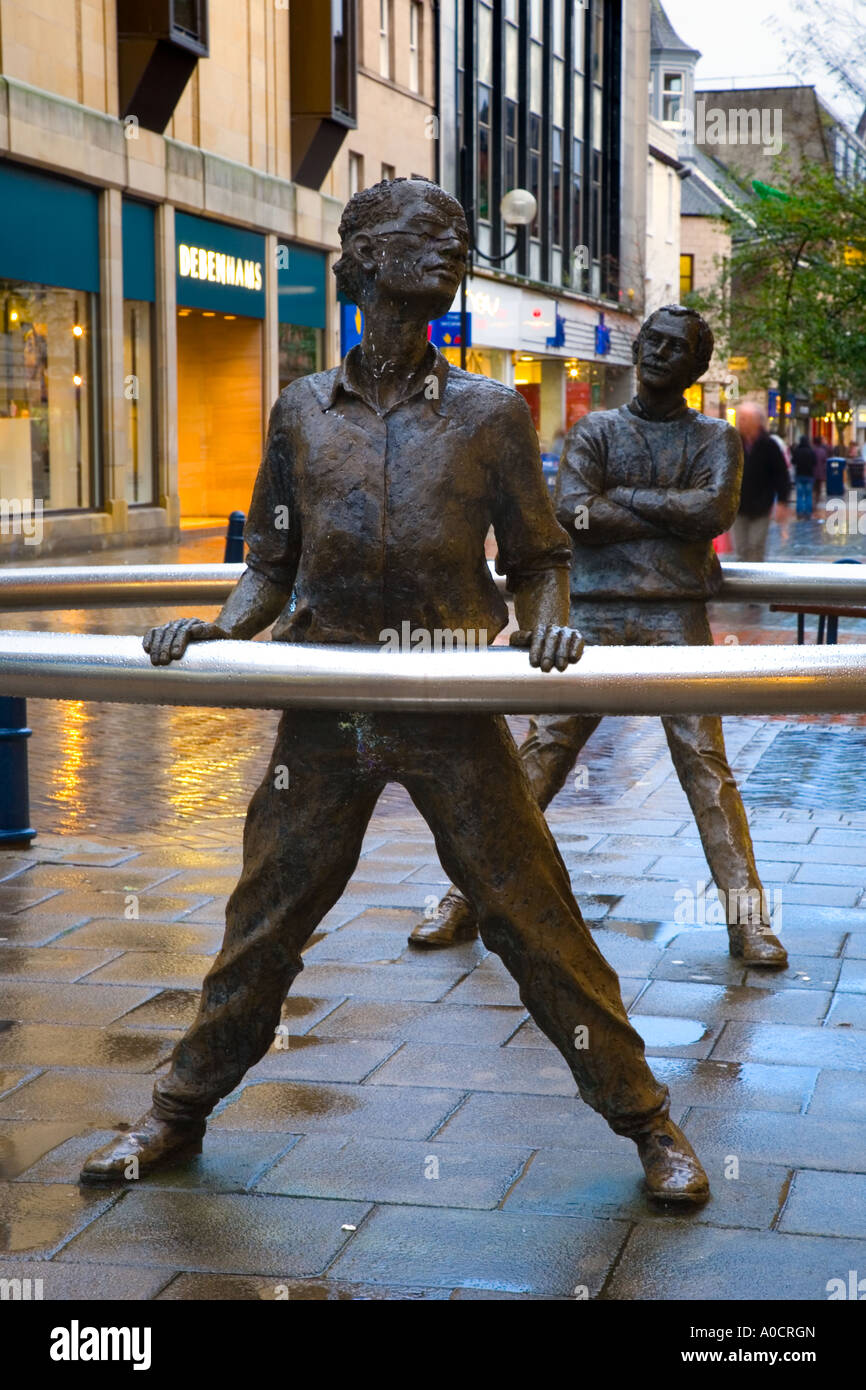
{"x":832,"y":37}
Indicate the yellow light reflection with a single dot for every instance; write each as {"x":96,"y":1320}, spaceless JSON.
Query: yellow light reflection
{"x":73,"y":741}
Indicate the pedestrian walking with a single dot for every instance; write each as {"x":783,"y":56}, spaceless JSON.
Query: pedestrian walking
{"x":805,"y":462}
{"x":765,"y":483}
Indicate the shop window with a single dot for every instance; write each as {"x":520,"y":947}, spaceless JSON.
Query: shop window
{"x":300,"y":352}
{"x":48,"y":378}
{"x":687,"y":276}
{"x":138,"y":390}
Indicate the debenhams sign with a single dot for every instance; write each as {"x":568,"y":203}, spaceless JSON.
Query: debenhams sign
{"x":196,"y":263}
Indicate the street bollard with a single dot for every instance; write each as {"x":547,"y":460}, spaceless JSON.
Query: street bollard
{"x":235,"y":539}
{"x":14,"y":786}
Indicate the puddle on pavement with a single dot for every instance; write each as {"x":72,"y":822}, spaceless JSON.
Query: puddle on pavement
{"x":659,"y":932}
{"x":658,"y":1031}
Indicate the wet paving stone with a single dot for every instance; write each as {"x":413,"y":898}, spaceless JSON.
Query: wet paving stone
{"x":150,"y":906}
{"x":370,"y":946}
{"x":156,"y":968}
{"x":294,"y":1108}
{"x":535,"y":1122}
{"x":839,"y":1093}
{"x":318,"y":1058}
{"x":770,"y":1042}
{"x":594,"y":1183}
{"x":50,"y":964}
{"x":848,"y":1011}
{"x":36,"y":927}
{"x":169,"y":937}
{"x":715,"y":1002}
{"x":64,"y":1282}
{"x":397,"y":980}
{"x":37,"y":1220}
{"x":46,"y":1045}
{"x":34,"y":1002}
{"x":22,"y":1144}
{"x":672,"y":1261}
{"x":15,"y":896}
{"x":429,"y":1023}
{"x":852,"y":977}
{"x":96,"y":1098}
{"x":235,"y":1287}
{"x":736,"y":1085}
{"x":509,"y":1252}
{"x":229,"y":1162}
{"x":827,"y":1204}
{"x":9,"y":1080}
{"x":541,"y":1071}
{"x":797,"y":1141}
{"x":428,"y":1173}
{"x":224,"y":1232}
{"x":126,"y":878}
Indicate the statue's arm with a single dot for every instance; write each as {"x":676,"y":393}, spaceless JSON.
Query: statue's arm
{"x":592,"y":513}
{"x":705,"y":509}
{"x":533,"y":550}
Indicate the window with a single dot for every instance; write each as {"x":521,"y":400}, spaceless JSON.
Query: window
{"x":389,"y":171}
{"x":139,"y":393}
{"x":672,"y":96}
{"x":48,"y":375}
{"x":687,"y":276}
{"x":670,"y":230}
{"x":300,"y":352}
{"x":650,"y":201}
{"x":356,"y":173}
{"x":415,"y":18}
{"x":385,"y":38}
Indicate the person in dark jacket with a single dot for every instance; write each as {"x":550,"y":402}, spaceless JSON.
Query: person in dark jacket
{"x":805,"y":463}
{"x":765,"y":482}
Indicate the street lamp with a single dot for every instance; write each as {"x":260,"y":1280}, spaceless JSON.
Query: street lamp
{"x":519,"y":208}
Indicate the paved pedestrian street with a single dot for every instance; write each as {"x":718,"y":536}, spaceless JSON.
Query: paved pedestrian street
{"x":411,"y":1134}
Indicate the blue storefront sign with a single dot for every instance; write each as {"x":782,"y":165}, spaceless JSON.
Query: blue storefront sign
{"x":219,"y":268}
{"x":773,"y":405}
{"x":139,"y":261}
{"x":301,"y":275}
{"x":445,"y":332}
{"x":49,"y":230}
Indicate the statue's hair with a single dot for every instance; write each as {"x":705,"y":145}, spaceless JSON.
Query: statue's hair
{"x":368,"y":206}
{"x":705,"y":343}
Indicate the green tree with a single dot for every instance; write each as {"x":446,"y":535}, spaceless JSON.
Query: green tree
{"x":792,"y":298}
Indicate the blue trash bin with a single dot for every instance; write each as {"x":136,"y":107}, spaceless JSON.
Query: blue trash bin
{"x":836,"y":477}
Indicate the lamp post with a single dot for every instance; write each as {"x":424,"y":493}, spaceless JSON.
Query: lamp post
{"x":519,"y":209}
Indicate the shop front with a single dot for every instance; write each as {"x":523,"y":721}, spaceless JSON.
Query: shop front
{"x":49,"y":344}
{"x":220,"y":320}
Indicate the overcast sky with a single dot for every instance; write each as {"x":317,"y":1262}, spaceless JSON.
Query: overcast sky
{"x":737,"y":40}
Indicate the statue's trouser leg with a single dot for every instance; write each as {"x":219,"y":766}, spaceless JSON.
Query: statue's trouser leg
{"x":697,"y":746}
{"x":491,"y":836}
{"x":549,"y":751}
{"x":301,"y":846}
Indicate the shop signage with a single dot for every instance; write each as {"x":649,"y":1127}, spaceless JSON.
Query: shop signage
{"x":220,"y":268}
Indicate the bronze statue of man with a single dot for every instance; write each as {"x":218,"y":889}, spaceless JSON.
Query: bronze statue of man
{"x":643,"y":491}
{"x":379,"y":482}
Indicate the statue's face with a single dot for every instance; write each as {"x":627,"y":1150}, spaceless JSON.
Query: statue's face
{"x":667,"y":353}
{"x":417,"y":252}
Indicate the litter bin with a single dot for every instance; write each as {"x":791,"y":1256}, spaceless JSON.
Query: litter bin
{"x":836,"y":477}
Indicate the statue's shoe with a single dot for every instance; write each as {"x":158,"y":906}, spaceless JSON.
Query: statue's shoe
{"x":456,"y":921}
{"x":756,"y":946}
{"x":673,"y":1169}
{"x":154,"y":1143}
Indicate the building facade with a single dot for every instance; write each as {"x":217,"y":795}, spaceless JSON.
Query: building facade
{"x":550,"y":96}
{"x":164,"y":253}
